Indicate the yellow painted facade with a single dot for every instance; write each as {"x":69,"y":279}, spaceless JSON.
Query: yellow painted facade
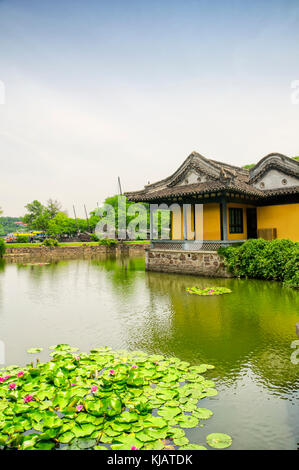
{"x":285,"y":218}
{"x":211,"y":222}
{"x":237,"y":236}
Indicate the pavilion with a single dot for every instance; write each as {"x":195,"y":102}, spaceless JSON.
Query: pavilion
{"x":235,"y":204}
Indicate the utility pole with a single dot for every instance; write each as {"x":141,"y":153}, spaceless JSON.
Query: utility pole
{"x":119,"y":186}
{"x":86,"y":217}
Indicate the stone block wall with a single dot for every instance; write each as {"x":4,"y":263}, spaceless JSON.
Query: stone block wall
{"x":46,"y":253}
{"x":202,"y":263}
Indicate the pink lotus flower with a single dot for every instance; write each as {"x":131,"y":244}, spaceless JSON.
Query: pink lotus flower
{"x":94,"y":388}
{"x":77,"y":358}
{"x":12,"y":386}
{"x":72,"y":385}
{"x":28,"y":398}
{"x":19,"y":374}
{"x":7,"y":377}
{"x":112,"y":372}
{"x":79,"y":407}
{"x":2,"y":379}
{"x":156,"y":363}
{"x":134,"y":448}
{"x":134,"y":366}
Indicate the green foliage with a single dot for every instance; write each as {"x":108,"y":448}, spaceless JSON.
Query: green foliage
{"x":251,"y":165}
{"x":94,"y":237}
{"x":61,"y":224}
{"x":35,"y":212}
{"x":276,"y":259}
{"x":247,"y":167}
{"x":208,"y":291}
{"x":105,"y":399}
{"x":22,"y":239}
{"x":2,"y":247}
{"x":108,"y":242}
{"x":52,"y":220}
{"x":8,"y":225}
{"x":39,"y":216}
{"x":50,"y":242}
{"x":123,"y":212}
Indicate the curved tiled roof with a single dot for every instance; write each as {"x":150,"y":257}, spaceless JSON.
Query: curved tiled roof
{"x":193,"y":189}
{"x":276,"y":161}
{"x":221,"y":178}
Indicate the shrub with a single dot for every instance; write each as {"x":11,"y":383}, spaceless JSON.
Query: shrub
{"x":22,"y":239}
{"x":276,"y":259}
{"x":108,"y":242}
{"x":94,"y":237}
{"x":2,"y":247}
{"x":50,"y":242}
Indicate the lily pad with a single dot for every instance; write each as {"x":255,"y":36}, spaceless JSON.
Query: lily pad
{"x":192,"y":447}
{"x":181,"y":441}
{"x":203,"y":413}
{"x":34,"y":350}
{"x":188,"y":421}
{"x":219,"y":440}
{"x":210,"y":291}
{"x":113,"y":397}
{"x":168,"y":413}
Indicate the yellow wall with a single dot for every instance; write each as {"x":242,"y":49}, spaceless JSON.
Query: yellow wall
{"x":238,"y":236}
{"x":211,"y":222}
{"x":285,"y":218}
{"x":177,"y":224}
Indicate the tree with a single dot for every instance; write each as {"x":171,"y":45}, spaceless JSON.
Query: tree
{"x":39,"y":216}
{"x":61,"y":224}
{"x":53,"y":207}
{"x":2,"y":232}
{"x":35,"y":210}
{"x":163,"y":216}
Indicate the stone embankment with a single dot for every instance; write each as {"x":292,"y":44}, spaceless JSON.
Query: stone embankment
{"x":46,"y":253}
{"x":203,"y":263}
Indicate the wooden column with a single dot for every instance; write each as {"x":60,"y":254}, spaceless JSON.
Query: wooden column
{"x":185,"y":221}
{"x":224,"y":219}
{"x":151,"y":223}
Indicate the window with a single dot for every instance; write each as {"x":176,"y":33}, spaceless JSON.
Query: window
{"x":235,"y":220}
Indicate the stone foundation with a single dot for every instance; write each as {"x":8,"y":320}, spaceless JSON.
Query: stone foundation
{"x":57,"y":253}
{"x":201,"y":263}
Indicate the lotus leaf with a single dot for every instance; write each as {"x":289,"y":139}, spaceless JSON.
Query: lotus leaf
{"x":34,"y":350}
{"x":219,"y":440}
{"x":55,"y":404}
{"x":210,"y":291}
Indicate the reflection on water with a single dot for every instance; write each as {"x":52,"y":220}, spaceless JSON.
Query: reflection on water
{"x":113,"y":301}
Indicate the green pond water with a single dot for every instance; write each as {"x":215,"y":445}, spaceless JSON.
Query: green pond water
{"x":112,"y":301}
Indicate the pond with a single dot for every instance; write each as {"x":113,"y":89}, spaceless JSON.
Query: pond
{"x":112,"y":301}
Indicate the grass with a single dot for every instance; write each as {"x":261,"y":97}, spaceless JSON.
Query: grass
{"x":22,"y":245}
{"x":138,"y":242}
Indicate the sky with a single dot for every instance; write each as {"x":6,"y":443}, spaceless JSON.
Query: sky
{"x":92,"y":90}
